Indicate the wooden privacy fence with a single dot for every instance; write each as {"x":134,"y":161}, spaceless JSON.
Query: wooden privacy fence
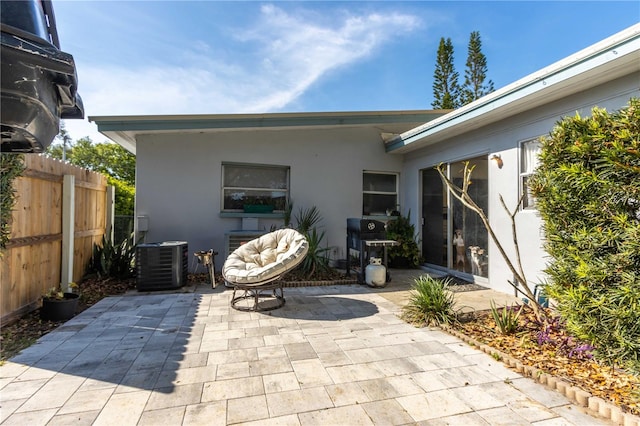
{"x":60,"y":212}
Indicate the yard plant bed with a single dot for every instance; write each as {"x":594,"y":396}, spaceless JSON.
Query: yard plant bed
{"x":557,"y":356}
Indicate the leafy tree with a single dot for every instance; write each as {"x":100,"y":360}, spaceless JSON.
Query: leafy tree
{"x":107,"y":158}
{"x":476,"y":72}
{"x":125,"y":196}
{"x":587,"y":189}
{"x":446,"y":90}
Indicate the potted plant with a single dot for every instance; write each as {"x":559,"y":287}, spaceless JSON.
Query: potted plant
{"x":406,"y":254}
{"x":58,"y":305}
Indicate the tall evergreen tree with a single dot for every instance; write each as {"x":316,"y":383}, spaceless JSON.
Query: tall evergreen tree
{"x":476,"y":72}
{"x":446,"y":90}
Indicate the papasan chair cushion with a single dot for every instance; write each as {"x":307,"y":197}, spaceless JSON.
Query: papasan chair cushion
{"x":266,"y":258}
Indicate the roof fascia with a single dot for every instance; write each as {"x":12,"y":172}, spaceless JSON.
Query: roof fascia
{"x":124,"y":129}
{"x":177,"y":123}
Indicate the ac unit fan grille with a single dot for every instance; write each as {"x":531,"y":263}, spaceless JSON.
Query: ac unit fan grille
{"x":161,"y":266}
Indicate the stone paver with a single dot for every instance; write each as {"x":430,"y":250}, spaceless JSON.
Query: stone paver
{"x":332,"y":355}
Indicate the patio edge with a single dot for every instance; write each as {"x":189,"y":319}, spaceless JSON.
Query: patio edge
{"x":596,"y":406}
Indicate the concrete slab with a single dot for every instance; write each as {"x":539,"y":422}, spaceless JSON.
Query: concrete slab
{"x":331,"y":355}
{"x":402,"y":280}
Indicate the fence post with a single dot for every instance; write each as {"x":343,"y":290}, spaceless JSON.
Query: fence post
{"x":111,"y":213}
{"x":68,"y":230}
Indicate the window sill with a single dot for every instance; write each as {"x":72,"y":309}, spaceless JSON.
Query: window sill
{"x":275,"y":215}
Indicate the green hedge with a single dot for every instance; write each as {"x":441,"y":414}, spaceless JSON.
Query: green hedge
{"x":125,"y":196}
{"x":11,"y":166}
{"x":588,"y":192}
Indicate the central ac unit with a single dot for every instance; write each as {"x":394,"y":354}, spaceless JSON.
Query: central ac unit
{"x":161,"y":266}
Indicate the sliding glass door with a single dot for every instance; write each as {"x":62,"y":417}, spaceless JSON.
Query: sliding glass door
{"x":434,"y":219}
{"x":453,"y":236}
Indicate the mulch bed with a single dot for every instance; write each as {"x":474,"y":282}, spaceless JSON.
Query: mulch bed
{"x":556,"y":358}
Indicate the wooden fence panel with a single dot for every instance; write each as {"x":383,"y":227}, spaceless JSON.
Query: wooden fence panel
{"x":31,"y":264}
{"x":90,"y":223}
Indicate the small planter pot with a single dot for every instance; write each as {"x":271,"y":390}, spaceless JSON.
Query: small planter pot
{"x":59,"y":309}
{"x":258,"y":208}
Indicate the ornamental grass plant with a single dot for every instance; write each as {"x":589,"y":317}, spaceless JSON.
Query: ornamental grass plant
{"x":430,"y":302}
{"x":506,"y":318}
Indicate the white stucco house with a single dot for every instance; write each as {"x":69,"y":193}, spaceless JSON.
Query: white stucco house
{"x":194,"y":173}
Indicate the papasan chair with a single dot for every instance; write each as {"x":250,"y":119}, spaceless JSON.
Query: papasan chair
{"x":255,"y":269}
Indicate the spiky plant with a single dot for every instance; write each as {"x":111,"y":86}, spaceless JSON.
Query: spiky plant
{"x":430,"y":302}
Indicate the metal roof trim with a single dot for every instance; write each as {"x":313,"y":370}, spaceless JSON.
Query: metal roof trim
{"x":125,"y":129}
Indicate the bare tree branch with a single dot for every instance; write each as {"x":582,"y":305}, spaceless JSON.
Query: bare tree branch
{"x":462,"y":194}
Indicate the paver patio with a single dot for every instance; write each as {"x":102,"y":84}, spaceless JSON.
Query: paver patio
{"x":333,"y":355}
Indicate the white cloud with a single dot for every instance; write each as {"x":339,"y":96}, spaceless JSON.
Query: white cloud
{"x":285,"y":54}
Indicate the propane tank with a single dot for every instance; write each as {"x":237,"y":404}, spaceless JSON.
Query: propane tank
{"x":375,"y":274}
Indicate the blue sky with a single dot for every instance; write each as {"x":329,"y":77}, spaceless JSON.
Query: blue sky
{"x":214,"y":57}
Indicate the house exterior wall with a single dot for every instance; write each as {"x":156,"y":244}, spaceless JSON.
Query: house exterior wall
{"x":179,"y":179}
{"x":504,"y":138}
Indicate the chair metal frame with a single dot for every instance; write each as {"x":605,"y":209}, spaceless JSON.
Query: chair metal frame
{"x":255,"y":292}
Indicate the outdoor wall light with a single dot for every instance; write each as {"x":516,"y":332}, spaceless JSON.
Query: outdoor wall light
{"x":498,"y":160}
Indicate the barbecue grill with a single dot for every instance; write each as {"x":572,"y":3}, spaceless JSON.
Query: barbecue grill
{"x":368,"y":238}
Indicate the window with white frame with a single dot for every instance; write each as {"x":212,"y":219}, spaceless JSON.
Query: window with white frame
{"x":254,"y":184}
{"x":379,"y":193}
{"x":529,"y":152}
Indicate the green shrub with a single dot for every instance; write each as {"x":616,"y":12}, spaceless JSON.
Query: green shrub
{"x":11,"y":167}
{"x":587,"y":188}
{"x":115,"y":261}
{"x":316,"y":262}
{"x":125,"y":196}
{"x":307,"y":219}
{"x":506,"y":318}
{"x":430,"y":302}
{"x":404,"y":232}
